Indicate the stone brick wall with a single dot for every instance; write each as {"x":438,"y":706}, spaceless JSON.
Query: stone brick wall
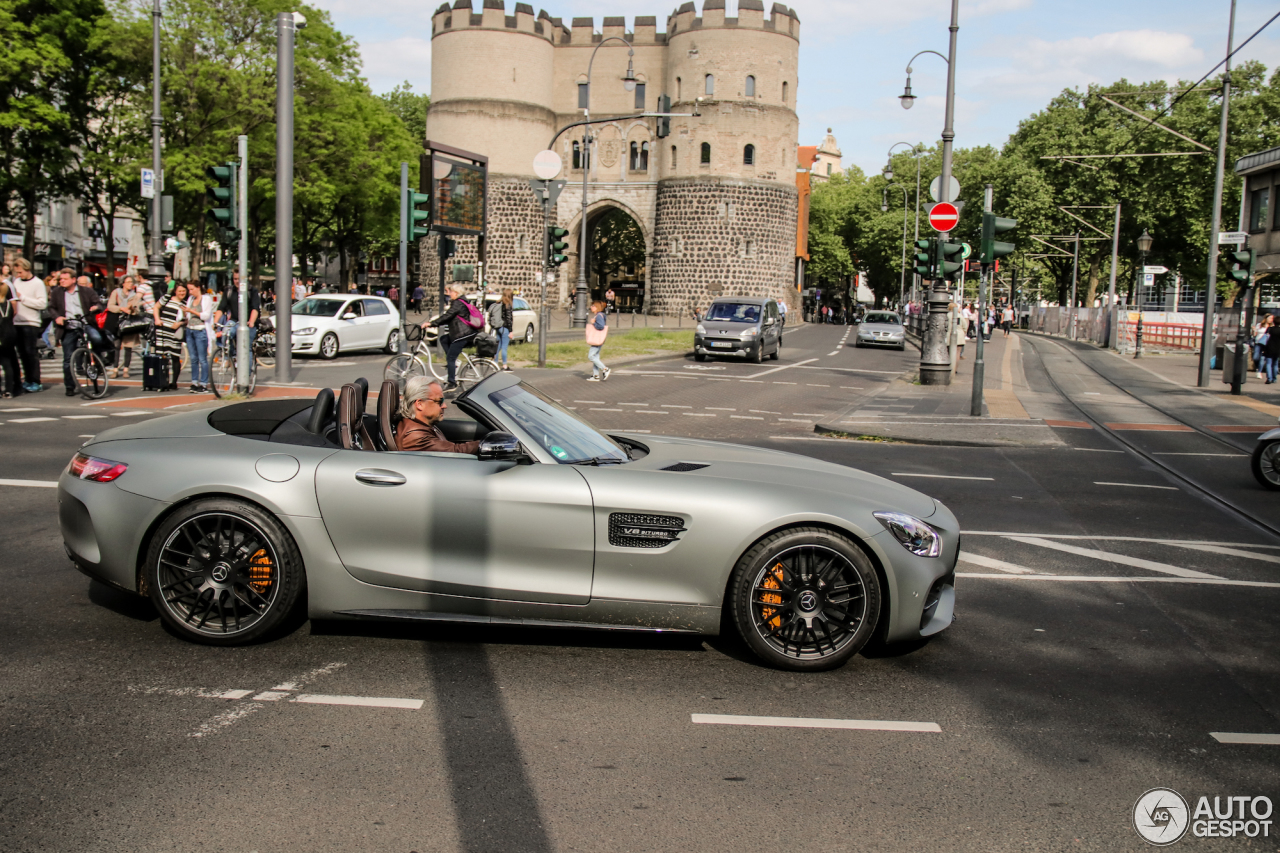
{"x":720,"y":237}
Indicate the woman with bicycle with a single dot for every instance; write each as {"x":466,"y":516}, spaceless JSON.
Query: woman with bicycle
{"x":170,"y":318}
{"x":464,"y":323}
{"x":198,"y":309}
{"x":124,"y":301}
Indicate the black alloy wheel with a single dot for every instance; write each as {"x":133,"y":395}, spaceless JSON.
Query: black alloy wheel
{"x":1265,"y":462}
{"x":223,"y":573}
{"x":805,"y":600}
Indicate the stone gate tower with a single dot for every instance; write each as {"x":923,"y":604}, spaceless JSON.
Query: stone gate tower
{"x":715,"y":200}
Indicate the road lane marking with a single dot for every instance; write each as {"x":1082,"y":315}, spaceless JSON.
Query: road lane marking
{"x":940,"y":476}
{"x":753,"y":381}
{"x":591,"y":402}
{"x":849,"y":370}
{"x":697,"y":415}
{"x":747,"y":417}
{"x":36,"y":484}
{"x":130,"y":414}
{"x":718,"y":409}
{"x":807,"y":414}
{"x":650,"y":412}
{"x":213,"y":726}
{"x":1227,"y":455}
{"x":763,"y":412}
{"x":784,"y":383}
{"x":992,"y":563}
{"x":29,"y":420}
{"x":1110,"y":557}
{"x":358,"y":701}
{"x":81,"y":417}
{"x":1229,"y":552}
{"x":783,"y":367}
{"x":816,"y":385}
{"x":22,"y":409}
{"x":1136,"y":485}
{"x":833,"y":352}
{"x":1007,"y":533}
{"x":271,"y":695}
{"x":593,"y":409}
{"x":793,"y":420}
{"x":190,"y":691}
{"x":1111,"y":579}
{"x":641,"y":405}
{"x":1244,"y":737}
{"x":674,"y":406}
{"x":816,"y":723}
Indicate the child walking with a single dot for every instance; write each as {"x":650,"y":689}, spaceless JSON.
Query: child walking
{"x":597,"y":331}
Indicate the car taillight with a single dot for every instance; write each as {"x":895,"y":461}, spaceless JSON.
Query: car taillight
{"x":86,"y":467}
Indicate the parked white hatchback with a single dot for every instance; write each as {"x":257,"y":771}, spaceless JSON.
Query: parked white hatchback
{"x":523,"y":317}
{"x":331,"y":324}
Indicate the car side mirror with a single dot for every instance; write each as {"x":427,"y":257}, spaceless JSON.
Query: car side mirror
{"x":501,"y":445}
{"x":350,"y":315}
{"x":768,"y":321}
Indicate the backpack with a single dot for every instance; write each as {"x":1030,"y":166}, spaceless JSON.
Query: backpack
{"x":473,"y":317}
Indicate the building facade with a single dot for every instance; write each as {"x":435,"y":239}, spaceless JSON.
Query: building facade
{"x":1261,"y":173}
{"x":716,"y":200}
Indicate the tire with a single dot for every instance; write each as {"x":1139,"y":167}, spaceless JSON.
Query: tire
{"x":401,"y":368}
{"x":476,"y":370}
{"x":90,"y":373}
{"x":758,"y":357}
{"x":329,"y":348}
{"x":393,"y":342}
{"x":844,"y":591}
{"x":777,"y":351}
{"x":222,"y":376}
{"x":1265,"y":463}
{"x":528,"y":334}
{"x":264,"y":349}
{"x":223,"y":573}
{"x":697,"y":356}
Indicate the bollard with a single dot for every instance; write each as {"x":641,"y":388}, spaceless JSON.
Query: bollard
{"x":1137,"y":338}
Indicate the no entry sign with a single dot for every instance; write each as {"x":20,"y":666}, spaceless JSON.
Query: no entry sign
{"x":944,"y":216}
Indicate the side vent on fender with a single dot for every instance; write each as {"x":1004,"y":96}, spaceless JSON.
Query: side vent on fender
{"x":684,"y":466}
{"x":633,"y":530}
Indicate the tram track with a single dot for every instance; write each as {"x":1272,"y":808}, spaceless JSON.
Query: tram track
{"x":1199,"y":489}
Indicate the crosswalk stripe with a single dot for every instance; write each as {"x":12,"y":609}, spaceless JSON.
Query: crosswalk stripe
{"x":1110,"y":557}
{"x":38,"y":484}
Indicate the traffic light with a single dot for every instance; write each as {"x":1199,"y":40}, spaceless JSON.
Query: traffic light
{"x":419,"y":213}
{"x":664,"y":124}
{"x":924,"y":258}
{"x":556,"y":245}
{"x":222,"y":197}
{"x":950,"y":259}
{"x":1241,"y":267}
{"x":992,"y":248}
{"x":448,"y":248}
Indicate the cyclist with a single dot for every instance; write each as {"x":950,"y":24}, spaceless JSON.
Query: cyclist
{"x":229,"y":307}
{"x":75,"y":302}
{"x":465,"y":322}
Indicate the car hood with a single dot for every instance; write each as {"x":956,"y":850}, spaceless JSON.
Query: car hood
{"x":731,"y":330}
{"x":767,"y":469}
{"x":880,"y":327}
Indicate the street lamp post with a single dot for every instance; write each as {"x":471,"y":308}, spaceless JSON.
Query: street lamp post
{"x":155,"y":261}
{"x":916,"y":151}
{"x":629,"y":81}
{"x":935,"y":366}
{"x":884,"y":206}
{"x":1144,"y":247}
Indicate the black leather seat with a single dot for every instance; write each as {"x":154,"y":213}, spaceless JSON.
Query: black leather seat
{"x":388,"y":413}
{"x":321,"y":413}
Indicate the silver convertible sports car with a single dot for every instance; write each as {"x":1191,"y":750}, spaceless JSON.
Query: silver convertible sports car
{"x":231,"y":519}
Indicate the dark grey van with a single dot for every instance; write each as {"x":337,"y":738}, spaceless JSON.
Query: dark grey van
{"x":739,"y":326}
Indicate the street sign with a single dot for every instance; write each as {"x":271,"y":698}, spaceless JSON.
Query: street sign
{"x":547,"y":164}
{"x":968,"y":250}
{"x":1232,"y":238}
{"x":944,"y":216}
{"x":1148,"y":279}
{"x":1156,"y":270}
{"x":935,"y":187}
{"x":148,"y":183}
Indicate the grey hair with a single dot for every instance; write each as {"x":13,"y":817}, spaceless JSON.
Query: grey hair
{"x":417,"y":388}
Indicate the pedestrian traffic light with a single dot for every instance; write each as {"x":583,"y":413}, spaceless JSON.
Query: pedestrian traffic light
{"x":222,"y":197}
{"x":1241,"y":267}
{"x":419,"y":211}
{"x":991,"y":248}
{"x":924,"y":258}
{"x":448,"y":248}
{"x":950,"y":260}
{"x":556,"y":244}
{"x":664,"y":123}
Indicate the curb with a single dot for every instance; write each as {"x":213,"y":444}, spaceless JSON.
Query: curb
{"x":867,"y":430}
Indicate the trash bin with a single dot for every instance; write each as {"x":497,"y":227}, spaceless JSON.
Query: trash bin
{"x":1229,"y":364}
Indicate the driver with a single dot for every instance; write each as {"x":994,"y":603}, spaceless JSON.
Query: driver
{"x":423,"y":407}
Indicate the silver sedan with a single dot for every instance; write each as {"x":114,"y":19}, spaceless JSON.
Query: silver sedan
{"x":881,"y":328}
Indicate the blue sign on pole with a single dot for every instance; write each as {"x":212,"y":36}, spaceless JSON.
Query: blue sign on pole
{"x":148,"y":183}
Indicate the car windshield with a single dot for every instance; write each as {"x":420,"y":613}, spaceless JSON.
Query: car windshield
{"x":570,"y":440}
{"x":886,"y":319}
{"x":734,"y":312}
{"x":312,"y":307}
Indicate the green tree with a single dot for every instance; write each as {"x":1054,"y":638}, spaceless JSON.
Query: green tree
{"x":410,"y":108}
{"x":616,"y":244}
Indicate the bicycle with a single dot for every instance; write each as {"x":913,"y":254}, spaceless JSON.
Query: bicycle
{"x":401,"y":368}
{"x":223,"y":365}
{"x":89,"y":361}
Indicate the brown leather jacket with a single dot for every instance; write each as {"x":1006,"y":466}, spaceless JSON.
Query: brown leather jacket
{"x":413,"y":434}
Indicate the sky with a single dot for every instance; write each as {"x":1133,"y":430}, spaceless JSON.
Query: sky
{"x":1013,"y":56}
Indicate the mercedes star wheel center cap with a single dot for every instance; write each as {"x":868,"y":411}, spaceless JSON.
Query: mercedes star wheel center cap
{"x":221,"y":572}
{"x":808,"y":601}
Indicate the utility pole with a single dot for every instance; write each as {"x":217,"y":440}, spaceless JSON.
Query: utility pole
{"x":404,"y":249}
{"x":1075,"y":271}
{"x":542,"y":276}
{"x":979,"y":366}
{"x":1211,"y":285}
{"x":1112,"y":314}
{"x":287,"y":23}
{"x":155,"y":262}
{"x":243,"y":350}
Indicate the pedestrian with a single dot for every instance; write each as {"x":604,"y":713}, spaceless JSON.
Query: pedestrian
{"x":782,"y":313}
{"x":148,"y":294}
{"x":124,"y":301}
{"x":597,"y":332}
{"x":501,"y":320}
{"x":299,"y":290}
{"x":610,"y":300}
{"x":960,"y":333}
{"x":170,"y":318}
{"x":418,"y":295}
{"x":1271,"y":353}
{"x":199,"y":314}
{"x":31,"y":300}
{"x":76,"y":303}
{"x":1261,"y":330}
{"x":464,"y":322}
{"x":1006,"y":319}
{"x":12,"y":385}
{"x":394,"y":295}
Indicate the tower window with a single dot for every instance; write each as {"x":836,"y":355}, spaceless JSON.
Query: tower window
{"x":639,"y":156}
{"x":784,"y":92}
{"x":749,"y":155}
{"x":751,"y":86}
{"x":579,"y":161}
{"x":828,"y":170}
{"x":639,"y":96}
{"x":673,"y":158}
{"x":706,"y":153}
{"x":677,"y":88}
{"x":711,"y":85}
{"x":584,"y":95}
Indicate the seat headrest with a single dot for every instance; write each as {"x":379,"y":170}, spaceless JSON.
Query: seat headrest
{"x":321,"y":412}
{"x":348,"y":417}
{"x":388,"y":411}
{"x":363,"y":385}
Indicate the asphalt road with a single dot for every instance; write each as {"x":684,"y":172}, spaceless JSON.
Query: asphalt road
{"x":1109,"y":620}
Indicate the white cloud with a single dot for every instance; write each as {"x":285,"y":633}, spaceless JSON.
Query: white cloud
{"x":1166,"y":50}
{"x":387,"y":63}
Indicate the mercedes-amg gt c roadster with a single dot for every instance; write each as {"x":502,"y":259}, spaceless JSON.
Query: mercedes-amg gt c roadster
{"x":231,"y":519}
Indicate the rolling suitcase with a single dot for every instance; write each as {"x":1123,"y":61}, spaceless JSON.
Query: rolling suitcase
{"x":155,"y":373}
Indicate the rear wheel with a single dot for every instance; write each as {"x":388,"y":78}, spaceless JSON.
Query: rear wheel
{"x":401,"y":368}
{"x":222,"y":375}
{"x":528,"y":334}
{"x":90,"y":373}
{"x":1265,"y":463}
{"x":223,"y":572}
{"x":476,"y":370}
{"x":329,"y":346}
{"x":393,"y":342}
{"x":805,"y":599}
{"x":777,"y":351}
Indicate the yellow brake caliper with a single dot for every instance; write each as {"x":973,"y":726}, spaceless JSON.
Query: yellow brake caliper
{"x":260,"y":571}
{"x":773,"y":581}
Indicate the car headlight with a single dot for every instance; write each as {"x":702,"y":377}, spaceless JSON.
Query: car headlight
{"x":309,"y":330}
{"x":916,"y":536}
{"x":750,"y":333}
{"x":701,"y":330}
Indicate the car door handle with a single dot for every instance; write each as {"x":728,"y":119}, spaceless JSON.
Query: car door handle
{"x":380,"y":477}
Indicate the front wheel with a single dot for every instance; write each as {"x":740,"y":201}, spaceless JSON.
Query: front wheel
{"x":777,"y":351}
{"x":805,"y":599}
{"x":90,"y":373}
{"x":393,"y":342}
{"x":264,"y":349}
{"x":401,"y":368}
{"x":223,"y":572}
{"x":697,"y":356}
{"x":528,"y":334}
{"x":329,"y":346}
{"x":1265,"y":463}
{"x":222,"y":376}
